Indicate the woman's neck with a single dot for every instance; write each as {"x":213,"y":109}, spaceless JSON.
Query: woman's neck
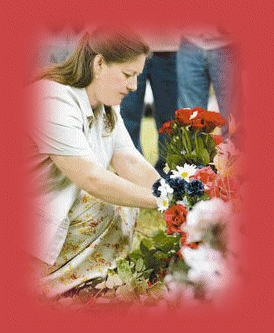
{"x":94,"y":103}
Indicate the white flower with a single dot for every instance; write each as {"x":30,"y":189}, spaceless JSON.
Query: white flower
{"x":184,"y":172}
{"x":209,"y":212}
{"x":207,"y":266}
{"x":163,"y":203}
{"x":164,"y":188}
{"x":204,"y":215}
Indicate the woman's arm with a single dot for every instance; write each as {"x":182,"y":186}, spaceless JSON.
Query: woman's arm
{"x":104,"y":184}
{"x":131,"y":165}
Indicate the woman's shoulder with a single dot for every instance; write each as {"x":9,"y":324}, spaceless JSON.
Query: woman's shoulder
{"x":48,"y":88}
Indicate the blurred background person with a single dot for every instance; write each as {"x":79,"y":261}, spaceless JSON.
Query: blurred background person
{"x":208,"y":55}
{"x":160,"y":73}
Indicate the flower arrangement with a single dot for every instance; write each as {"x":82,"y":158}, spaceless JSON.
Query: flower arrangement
{"x":197,"y":258}
{"x":201,"y":199}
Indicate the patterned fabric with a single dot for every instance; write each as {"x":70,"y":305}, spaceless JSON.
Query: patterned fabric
{"x":99,"y":234}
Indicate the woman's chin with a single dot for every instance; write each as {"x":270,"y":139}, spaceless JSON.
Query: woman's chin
{"x":114,"y":102}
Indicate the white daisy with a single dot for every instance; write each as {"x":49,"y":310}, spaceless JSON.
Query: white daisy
{"x":163,"y":203}
{"x":164,"y":188}
{"x":184,"y":172}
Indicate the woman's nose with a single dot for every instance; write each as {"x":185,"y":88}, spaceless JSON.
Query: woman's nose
{"x":132,"y":83}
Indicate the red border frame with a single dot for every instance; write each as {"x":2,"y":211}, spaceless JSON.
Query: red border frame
{"x":252,"y":24}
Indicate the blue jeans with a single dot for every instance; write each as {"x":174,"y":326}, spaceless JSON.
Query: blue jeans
{"x":198,"y":68}
{"x":160,"y":70}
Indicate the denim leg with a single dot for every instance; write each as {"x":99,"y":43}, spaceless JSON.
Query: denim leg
{"x":132,"y":107}
{"x":193,"y":76}
{"x":225,"y":75}
{"x":163,"y":81}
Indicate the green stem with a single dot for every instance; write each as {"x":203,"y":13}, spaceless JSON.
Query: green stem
{"x":186,"y":133}
{"x":196,"y":141}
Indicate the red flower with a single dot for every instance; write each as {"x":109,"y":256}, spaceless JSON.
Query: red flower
{"x":208,"y":120}
{"x":167,"y":127}
{"x":175,"y":217}
{"x":224,"y":188}
{"x":193,"y":245}
{"x":200,"y":118}
{"x":217,"y":138}
{"x":184,"y":237}
{"x":205,"y":175}
{"x":183,"y":115}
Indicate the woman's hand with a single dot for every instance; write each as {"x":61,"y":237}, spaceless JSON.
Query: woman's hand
{"x":104,"y":184}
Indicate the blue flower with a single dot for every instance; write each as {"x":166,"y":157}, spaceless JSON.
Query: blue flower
{"x":167,"y":176}
{"x":155,"y":188}
{"x":195,"y":187}
{"x":179,"y":186}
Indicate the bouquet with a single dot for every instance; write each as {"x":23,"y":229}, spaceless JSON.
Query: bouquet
{"x":190,"y":138}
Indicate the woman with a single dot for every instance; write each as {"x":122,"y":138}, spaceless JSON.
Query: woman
{"x":84,"y":213}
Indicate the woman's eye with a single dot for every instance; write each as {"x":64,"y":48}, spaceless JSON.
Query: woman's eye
{"x":127,"y":75}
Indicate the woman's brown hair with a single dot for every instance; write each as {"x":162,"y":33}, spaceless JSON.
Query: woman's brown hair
{"x":115,"y":45}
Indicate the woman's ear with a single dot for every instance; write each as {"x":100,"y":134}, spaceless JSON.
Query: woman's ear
{"x":98,"y":64}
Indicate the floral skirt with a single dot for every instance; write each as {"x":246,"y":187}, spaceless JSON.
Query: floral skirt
{"x":99,"y":234}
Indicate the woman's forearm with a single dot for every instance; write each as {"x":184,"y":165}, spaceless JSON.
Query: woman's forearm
{"x":114,"y":189}
{"x":104,"y":184}
{"x":134,"y":167}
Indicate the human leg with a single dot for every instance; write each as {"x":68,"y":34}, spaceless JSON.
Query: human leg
{"x":193,"y":76}
{"x":132,"y":109}
{"x":163,"y":80}
{"x":225,"y":73}
{"x":98,"y":235}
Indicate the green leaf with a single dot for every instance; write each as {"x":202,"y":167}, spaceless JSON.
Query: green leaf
{"x":140,"y":287}
{"x":210,"y":145}
{"x":146,"y":273}
{"x":124,"y":270}
{"x":135,"y":255}
{"x":164,"y":242}
{"x":146,"y":245}
{"x":187,"y":134}
{"x":204,"y":156}
{"x":173,"y":160}
{"x":199,"y":145}
{"x":139,"y":265}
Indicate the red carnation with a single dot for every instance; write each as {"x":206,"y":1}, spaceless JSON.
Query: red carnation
{"x":175,"y":217}
{"x":206,"y":175}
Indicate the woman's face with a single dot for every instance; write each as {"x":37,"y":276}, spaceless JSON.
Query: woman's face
{"x":112,"y":82}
